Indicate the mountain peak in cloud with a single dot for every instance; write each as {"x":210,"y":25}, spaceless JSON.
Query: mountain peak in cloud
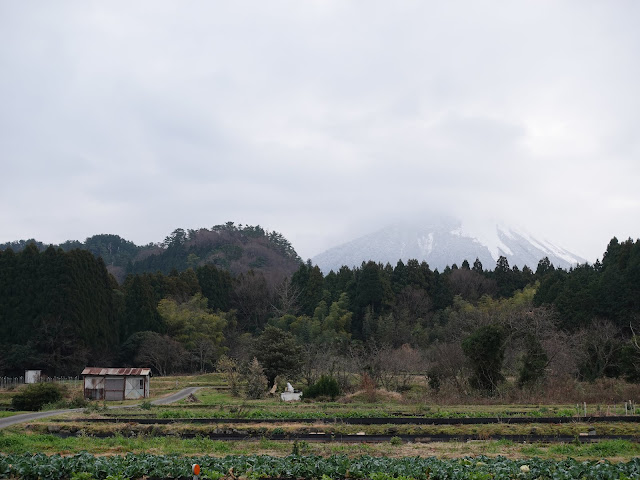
{"x":442,"y":241}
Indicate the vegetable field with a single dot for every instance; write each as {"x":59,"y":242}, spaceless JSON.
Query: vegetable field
{"x":86,"y":466}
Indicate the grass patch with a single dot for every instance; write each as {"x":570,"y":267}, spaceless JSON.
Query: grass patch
{"x":13,"y":442}
{"x":611,"y":448}
{"x":211,"y":397}
{"x":498,"y":446}
{"x":533,"y":450}
{"x":603,"y":449}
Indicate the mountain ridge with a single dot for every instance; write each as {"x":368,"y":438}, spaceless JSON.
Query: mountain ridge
{"x":445,"y":241}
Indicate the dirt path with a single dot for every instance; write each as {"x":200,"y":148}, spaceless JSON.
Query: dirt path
{"x":26,"y":417}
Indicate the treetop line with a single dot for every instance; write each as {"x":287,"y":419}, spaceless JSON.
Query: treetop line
{"x":61,"y":310}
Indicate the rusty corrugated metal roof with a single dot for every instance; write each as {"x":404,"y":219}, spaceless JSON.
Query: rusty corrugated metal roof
{"x":116,"y":371}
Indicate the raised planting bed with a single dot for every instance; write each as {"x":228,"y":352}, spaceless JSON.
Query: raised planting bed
{"x":55,"y":467}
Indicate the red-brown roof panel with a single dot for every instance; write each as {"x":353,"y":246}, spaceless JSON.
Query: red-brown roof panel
{"x":116,"y":371}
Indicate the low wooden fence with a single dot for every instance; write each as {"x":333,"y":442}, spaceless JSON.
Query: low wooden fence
{"x":12,"y":382}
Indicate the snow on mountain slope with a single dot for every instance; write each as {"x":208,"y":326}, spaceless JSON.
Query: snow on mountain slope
{"x":445,"y":241}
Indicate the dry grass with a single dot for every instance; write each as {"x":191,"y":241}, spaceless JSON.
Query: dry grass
{"x":378,"y":395}
{"x":556,"y":390}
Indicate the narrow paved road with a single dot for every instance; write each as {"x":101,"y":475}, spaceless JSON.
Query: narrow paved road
{"x":175,"y":397}
{"x":25,"y":417}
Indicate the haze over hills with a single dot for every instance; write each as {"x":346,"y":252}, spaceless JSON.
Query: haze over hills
{"x":443,"y":241}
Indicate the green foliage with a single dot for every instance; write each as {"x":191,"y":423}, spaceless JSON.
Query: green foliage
{"x":54,"y":307}
{"x":37,"y":395}
{"x":199,"y":331}
{"x":485,"y":350}
{"x":609,"y":290}
{"x":82,"y":476}
{"x":132,"y":346}
{"x":630,"y":360}
{"x":308,"y":280}
{"x":229,"y":246}
{"x":434,"y":379}
{"x":113,"y":249}
{"x":369,"y":287}
{"x":216,"y":286}
{"x":141,"y":298}
{"x":326,"y":386}
{"x":60,"y":309}
{"x":78,"y":401}
{"x":534,"y":362}
{"x":279,"y":354}
{"x":54,"y":467}
{"x":327,"y":327}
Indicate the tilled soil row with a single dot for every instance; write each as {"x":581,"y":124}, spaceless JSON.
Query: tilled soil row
{"x":364,"y":421}
{"x":358,"y":438}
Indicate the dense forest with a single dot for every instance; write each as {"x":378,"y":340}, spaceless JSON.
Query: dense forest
{"x":232,"y":247}
{"x":242,"y":292}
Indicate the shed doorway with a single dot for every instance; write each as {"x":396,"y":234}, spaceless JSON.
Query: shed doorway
{"x":114,"y":388}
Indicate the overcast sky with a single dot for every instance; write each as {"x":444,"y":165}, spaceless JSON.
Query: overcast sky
{"x":322,"y":120}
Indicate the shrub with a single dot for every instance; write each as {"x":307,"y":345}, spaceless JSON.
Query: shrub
{"x":324,"y":387}
{"x":256,"y":380}
{"x":534,"y":363}
{"x":78,"y":401}
{"x":434,"y":378}
{"x":485,"y":350}
{"x":36,"y":395}
{"x":278,"y":353}
{"x":229,"y":368}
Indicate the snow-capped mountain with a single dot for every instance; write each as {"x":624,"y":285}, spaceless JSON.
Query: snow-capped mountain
{"x":445,"y":241}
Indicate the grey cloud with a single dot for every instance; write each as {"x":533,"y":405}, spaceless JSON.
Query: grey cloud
{"x":318,"y":119}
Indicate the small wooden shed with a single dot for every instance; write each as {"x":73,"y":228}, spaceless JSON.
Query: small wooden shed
{"x":116,"y":383}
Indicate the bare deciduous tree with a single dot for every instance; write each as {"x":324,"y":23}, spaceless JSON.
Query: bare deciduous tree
{"x":256,"y":380}
{"x":601,"y":344}
{"x":471,"y":285}
{"x":446,"y":361}
{"x":399,"y":366}
{"x":229,"y":368}
{"x":285,"y":298}
{"x":162,"y":353}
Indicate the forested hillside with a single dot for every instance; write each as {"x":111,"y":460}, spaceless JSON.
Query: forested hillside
{"x":469,"y":326}
{"x":235,"y":248}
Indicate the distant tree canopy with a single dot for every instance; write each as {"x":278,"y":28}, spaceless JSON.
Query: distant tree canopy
{"x":231,"y":247}
{"x":55,"y":305}
{"x":609,"y":290}
{"x":221,"y":291}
